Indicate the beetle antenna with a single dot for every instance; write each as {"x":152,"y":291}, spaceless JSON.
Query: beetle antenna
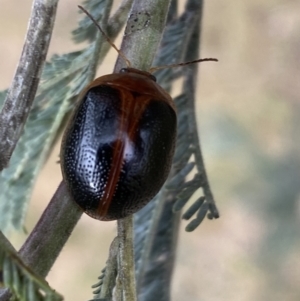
{"x":106,"y":37}
{"x":182,"y":64}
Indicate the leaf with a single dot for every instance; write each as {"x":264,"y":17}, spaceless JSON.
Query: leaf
{"x":86,"y":30}
{"x":23,"y":283}
{"x":63,"y":79}
{"x":49,"y":109}
{"x":156,"y":225}
{"x":2,"y":97}
{"x":104,"y":287}
{"x":172,"y":47}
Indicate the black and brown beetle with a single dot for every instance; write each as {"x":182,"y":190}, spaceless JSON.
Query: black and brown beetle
{"x":118,"y":147}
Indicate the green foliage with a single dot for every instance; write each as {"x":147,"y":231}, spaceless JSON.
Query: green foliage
{"x":153,"y":224}
{"x":107,"y":280}
{"x":23,"y":283}
{"x":98,"y":286}
{"x":63,"y":79}
{"x":2,"y":97}
{"x":145,"y":221}
{"x":185,"y":161}
{"x":156,"y":225}
{"x":172,"y":49}
{"x":86,"y":30}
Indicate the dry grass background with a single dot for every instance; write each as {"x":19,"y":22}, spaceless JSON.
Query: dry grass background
{"x":248,"y":112}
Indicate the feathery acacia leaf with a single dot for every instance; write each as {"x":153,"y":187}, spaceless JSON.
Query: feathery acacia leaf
{"x":63,"y":79}
{"x":155,"y":244}
{"x":107,"y":279}
{"x":23,"y":283}
{"x":2,"y":97}
{"x":86,"y":30}
{"x":148,"y":222}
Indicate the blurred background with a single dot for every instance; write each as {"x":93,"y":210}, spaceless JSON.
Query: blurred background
{"x":249,"y":121}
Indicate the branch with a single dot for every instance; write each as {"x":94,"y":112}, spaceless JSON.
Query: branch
{"x":19,"y":280}
{"x":23,"y":88}
{"x":51,"y":232}
{"x":143,"y":33}
{"x":126,"y":270}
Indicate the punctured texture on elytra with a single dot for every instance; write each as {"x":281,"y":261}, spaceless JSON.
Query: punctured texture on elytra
{"x":118,"y":147}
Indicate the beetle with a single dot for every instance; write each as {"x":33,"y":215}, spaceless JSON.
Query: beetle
{"x":118,"y":146}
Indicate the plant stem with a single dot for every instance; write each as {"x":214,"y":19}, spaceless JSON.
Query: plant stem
{"x":126,"y":270}
{"x":50,"y":234}
{"x":21,"y":94}
{"x":143,"y":33}
{"x":142,"y":37}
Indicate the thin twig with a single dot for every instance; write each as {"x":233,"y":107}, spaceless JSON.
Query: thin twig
{"x":51,"y":232}
{"x":126,"y":270}
{"x":23,"y":88}
{"x":143,"y":33}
